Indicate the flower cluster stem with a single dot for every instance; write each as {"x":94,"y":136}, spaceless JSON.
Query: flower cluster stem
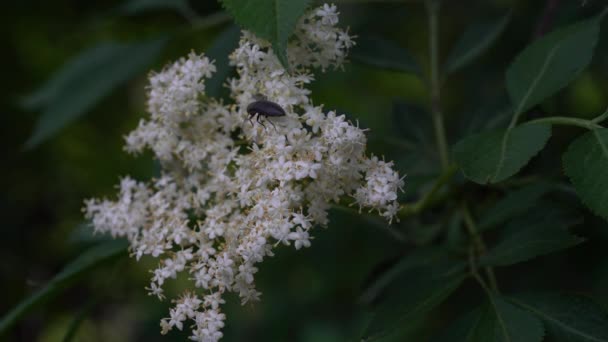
{"x":435,"y":84}
{"x":601,"y":117}
{"x":479,"y":246}
{"x":428,"y":198}
{"x":569,"y":121}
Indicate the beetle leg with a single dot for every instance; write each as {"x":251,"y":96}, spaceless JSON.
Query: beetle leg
{"x":251,"y":117}
{"x":275,"y":127}
{"x":260,"y":121}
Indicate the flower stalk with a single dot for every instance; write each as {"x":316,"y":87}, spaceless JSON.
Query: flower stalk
{"x":433,"y":7}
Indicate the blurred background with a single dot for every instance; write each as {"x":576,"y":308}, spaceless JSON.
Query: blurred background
{"x":74,"y":80}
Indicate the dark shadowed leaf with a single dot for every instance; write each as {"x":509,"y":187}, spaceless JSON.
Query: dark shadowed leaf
{"x":530,"y":236}
{"x":85,"y":80}
{"x":455,"y":238}
{"x":585,"y":163}
{"x":475,"y":40}
{"x":219,"y":50}
{"x":384,"y":54}
{"x":567,"y":318}
{"x":411,"y":296}
{"x":550,"y":63}
{"x":273,"y":20}
{"x":87,"y":261}
{"x":413,"y":127}
{"x":513,"y":204}
{"x":417,"y":258}
{"x":494,"y":156}
{"x":138,"y":6}
{"x":460,"y":329}
{"x":496,"y":320}
{"x":489,"y":115}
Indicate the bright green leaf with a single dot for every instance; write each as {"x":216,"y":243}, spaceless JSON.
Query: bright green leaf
{"x":384,"y":54}
{"x":550,"y":63}
{"x":411,"y":296}
{"x":85,"y":80}
{"x":476,"y":39}
{"x":491,"y":157}
{"x":512,"y":205}
{"x":86,"y":262}
{"x":585,"y":163}
{"x":273,"y":20}
{"x":528,"y":237}
{"x":497,"y":320}
{"x":567,"y":318}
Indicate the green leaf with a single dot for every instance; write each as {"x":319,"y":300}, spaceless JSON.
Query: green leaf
{"x":550,"y":63}
{"x":528,"y":237}
{"x":411,"y":296}
{"x":219,"y":50}
{"x":487,"y":115}
{"x":513,"y":204}
{"x":72,"y":330}
{"x":567,"y":318}
{"x":455,"y":237}
{"x":138,"y":6}
{"x":476,"y":39}
{"x":384,"y":54}
{"x":273,"y":20}
{"x":85,"y":80}
{"x":460,"y":329}
{"x":84,"y":263}
{"x":496,"y":320}
{"x":585,"y":162}
{"x":491,"y":157}
{"x":415,"y":259}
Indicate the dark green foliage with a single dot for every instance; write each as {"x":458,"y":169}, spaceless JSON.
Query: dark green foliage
{"x":512,"y":205}
{"x":384,"y":54}
{"x":465,"y":245}
{"x":85,"y":80}
{"x":84,"y":263}
{"x":475,"y":40}
{"x":273,"y":20}
{"x":496,"y":320}
{"x":550,"y":63}
{"x":567,"y":318}
{"x":222,"y":46}
{"x":412,"y":295}
{"x":139,"y":6}
{"x":494,"y":156}
{"x":528,"y":237}
{"x":585,"y":163}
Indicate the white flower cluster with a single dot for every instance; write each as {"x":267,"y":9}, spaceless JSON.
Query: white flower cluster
{"x":231,"y":190}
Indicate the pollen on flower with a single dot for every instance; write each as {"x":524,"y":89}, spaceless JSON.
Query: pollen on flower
{"x":231,"y":191}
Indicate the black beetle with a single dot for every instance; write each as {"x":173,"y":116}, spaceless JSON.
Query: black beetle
{"x":263,"y":107}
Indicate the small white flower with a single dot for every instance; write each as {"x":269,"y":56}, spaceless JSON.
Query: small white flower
{"x":300,"y":238}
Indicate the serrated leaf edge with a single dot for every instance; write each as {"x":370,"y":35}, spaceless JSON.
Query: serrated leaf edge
{"x":544,"y":316}
{"x":568,"y":169}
